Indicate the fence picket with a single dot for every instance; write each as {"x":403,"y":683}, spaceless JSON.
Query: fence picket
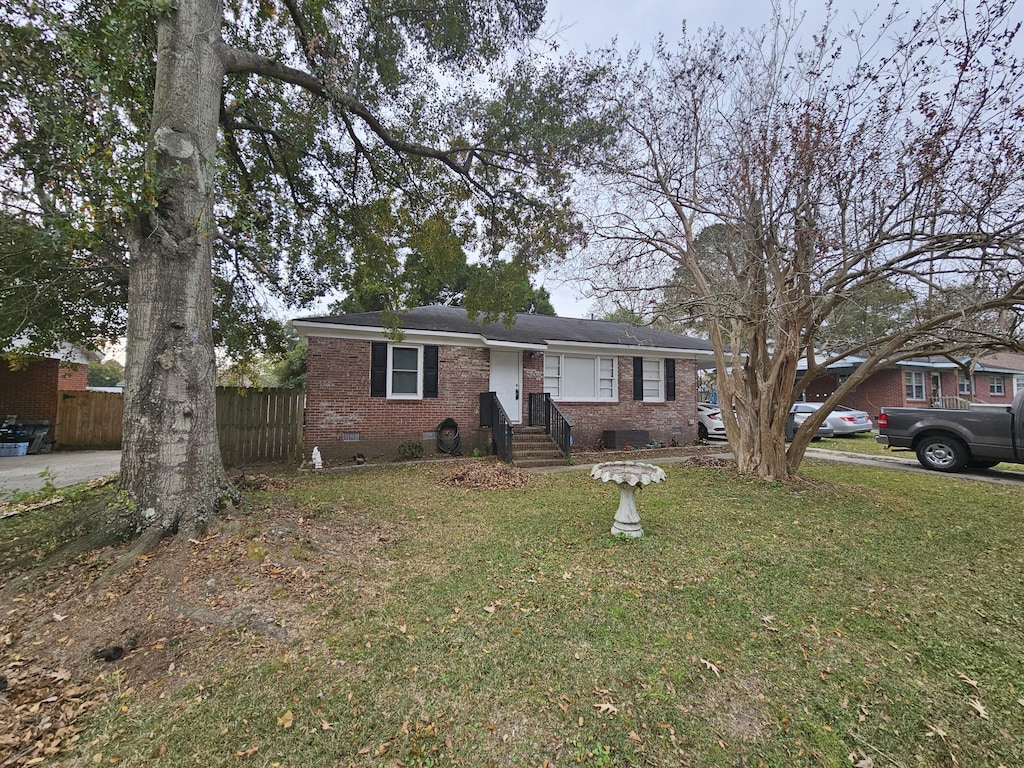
{"x":253,"y":425}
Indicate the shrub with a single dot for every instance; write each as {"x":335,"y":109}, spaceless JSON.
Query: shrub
{"x":411,"y":450}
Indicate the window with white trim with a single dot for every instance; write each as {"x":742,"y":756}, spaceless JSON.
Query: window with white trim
{"x":579,"y":377}
{"x":404,"y":366}
{"x":964,"y":385}
{"x":1018,"y":384}
{"x":914,"y":381}
{"x":553,"y":375}
{"x":996,"y":385}
{"x":654,"y":379}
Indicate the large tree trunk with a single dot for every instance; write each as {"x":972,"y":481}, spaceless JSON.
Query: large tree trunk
{"x":171,"y":469}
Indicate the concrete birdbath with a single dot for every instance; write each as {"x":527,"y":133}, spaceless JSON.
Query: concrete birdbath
{"x":628,"y":475}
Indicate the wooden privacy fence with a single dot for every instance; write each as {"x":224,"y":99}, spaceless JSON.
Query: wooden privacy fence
{"x":253,"y":425}
{"x":88,"y":420}
{"x":256,"y":425}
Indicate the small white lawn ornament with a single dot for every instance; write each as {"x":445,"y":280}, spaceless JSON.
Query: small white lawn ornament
{"x":628,"y":475}
{"x":318,"y":461}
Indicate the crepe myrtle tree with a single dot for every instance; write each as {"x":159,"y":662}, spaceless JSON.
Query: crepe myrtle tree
{"x":808,"y":198}
{"x":281,"y":149}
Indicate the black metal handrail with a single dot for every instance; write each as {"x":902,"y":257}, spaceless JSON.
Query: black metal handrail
{"x":493,"y":415}
{"x":544,"y":412}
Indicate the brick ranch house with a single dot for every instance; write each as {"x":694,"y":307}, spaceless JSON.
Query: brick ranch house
{"x":367,"y":392}
{"x":924,"y":382}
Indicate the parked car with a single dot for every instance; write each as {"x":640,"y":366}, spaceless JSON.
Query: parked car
{"x":709,"y":422}
{"x":843,"y":420}
{"x":949,"y":441}
{"x":800,"y":416}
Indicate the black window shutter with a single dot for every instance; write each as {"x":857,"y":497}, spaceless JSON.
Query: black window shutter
{"x":670,"y":379}
{"x":638,"y":378}
{"x":378,"y":369}
{"x":430,"y":371}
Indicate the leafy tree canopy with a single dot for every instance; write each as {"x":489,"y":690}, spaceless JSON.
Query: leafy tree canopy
{"x":363,"y":145}
{"x":468,"y":285}
{"x":108,"y":373}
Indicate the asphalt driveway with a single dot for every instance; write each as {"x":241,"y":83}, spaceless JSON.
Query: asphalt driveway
{"x":28,"y":473}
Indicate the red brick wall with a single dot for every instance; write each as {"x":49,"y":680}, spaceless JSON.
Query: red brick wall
{"x":73,"y":378}
{"x":888,"y":388}
{"x":884,"y":388}
{"x":338,"y":401}
{"x":31,"y":392}
{"x":589,"y":420}
{"x":982,"y":386}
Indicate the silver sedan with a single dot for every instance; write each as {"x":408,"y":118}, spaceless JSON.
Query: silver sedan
{"x":843,"y":420}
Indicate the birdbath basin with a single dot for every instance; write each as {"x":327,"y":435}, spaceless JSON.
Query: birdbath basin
{"x":629,"y":476}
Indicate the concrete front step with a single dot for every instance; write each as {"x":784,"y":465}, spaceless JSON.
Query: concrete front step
{"x":531,"y":447}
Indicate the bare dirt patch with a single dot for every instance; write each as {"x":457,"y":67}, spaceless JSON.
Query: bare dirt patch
{"x":75,"y":636}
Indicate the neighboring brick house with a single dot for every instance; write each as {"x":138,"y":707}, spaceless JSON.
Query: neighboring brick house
{"x":367,"y":393}
{"x":925,"y":382}
{"x":30,"y":389}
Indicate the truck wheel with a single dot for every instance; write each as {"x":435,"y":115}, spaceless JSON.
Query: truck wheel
{"x":942,"y":454}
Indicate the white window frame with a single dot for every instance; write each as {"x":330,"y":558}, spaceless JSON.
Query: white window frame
{"x":391,"y":394}
{"x":654,"y":376}
{"x":555,"y":377}
{"x":1018,"y":384}
{"x":963,"y":385}
{"x":914,"y":382}
{"x":997,"y":386}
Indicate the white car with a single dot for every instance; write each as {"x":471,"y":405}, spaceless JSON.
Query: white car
{"x":843,"y":420}
{"x":709,"y":422}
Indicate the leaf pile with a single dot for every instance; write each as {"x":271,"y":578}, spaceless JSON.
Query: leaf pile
{"x":484,"y":476}
{"x":40,"y":710}
{"x":702,"y":460}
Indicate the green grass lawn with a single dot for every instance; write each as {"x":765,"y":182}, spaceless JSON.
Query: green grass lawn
{"x":863,"y":442}
{"x":862,"y":617}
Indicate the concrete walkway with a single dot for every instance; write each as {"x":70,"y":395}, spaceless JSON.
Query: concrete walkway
{"x":29,"y":473}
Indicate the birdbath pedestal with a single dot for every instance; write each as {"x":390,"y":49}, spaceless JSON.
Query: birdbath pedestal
{"x":629,"y":476}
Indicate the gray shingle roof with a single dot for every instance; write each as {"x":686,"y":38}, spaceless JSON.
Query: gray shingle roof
{"x":528,"y":329}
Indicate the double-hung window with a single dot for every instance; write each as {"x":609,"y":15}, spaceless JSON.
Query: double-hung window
{"x":581,"y":377}
{"x":404,"y":368}
{"x":964,"y":385}
{"x":914,"y":381}
{"x":653,"y":379}
{"x":403,"y":371}
{"x":996,"y":385}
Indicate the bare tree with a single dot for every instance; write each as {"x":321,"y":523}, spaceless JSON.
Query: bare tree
{"x":766,"y":190}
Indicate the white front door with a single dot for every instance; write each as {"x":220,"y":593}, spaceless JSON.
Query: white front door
{"x":507,"y":382}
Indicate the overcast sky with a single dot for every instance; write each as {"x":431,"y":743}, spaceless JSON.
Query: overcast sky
{"x":582,"y":24}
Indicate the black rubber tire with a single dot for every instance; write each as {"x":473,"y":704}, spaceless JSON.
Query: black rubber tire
{"x":941,"y":453}
{"x":702,"y":432}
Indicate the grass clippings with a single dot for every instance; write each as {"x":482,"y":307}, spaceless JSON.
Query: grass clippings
{"x":863,"y":617}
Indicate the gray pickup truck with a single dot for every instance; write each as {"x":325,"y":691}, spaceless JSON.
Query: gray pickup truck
{"x":949,"y":441}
